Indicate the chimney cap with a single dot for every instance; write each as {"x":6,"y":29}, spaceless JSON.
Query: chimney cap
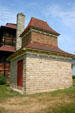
{"x":20,"y":14}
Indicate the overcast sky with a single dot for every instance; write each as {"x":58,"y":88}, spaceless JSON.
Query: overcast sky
{"x":59,"y":14}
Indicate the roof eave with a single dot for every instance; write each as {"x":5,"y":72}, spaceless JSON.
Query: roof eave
{"x":8,"y":27}
{"x":51,"y":52}
{"x":57,"y":34}
{"x":28,"y":49}
{"x":17,"y":53}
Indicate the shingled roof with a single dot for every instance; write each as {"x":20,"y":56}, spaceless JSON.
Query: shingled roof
{"x":46,"y":47}
{"x":11,"y":25}
{"x":36,"y":46}
{"x":7,"y":48}
{"x":41,"y":25}
{"x":43,"y":48}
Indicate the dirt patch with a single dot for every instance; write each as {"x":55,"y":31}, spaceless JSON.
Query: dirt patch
{"x":33,"y":104}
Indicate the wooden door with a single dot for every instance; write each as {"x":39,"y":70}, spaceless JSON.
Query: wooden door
{"x":20,"y":73}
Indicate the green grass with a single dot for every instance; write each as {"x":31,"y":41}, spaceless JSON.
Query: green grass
{"x":6,"y":92}
{"x":66,"y":108}
{"x":59,"y":101}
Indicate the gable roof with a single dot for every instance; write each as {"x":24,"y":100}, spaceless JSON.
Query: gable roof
{"x":41,"y":25}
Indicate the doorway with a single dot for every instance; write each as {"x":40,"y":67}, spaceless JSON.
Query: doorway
{"x":20,"y":73}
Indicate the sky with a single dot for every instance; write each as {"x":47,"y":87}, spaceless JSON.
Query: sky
{"x":59,"y":14}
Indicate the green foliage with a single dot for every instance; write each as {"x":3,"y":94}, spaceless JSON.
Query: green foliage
{"x":2,"y":80}
{"x":73,"y":77}
{"x":67,"y":108}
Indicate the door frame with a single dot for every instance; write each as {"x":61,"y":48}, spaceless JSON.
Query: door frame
{"x":20,"y":73}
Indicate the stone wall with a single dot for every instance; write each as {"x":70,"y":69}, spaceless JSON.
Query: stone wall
{"x":13,"y":72}
{"x":42,"y":73}
{"x":46,"y":73}
{"x":20,"y":29}
{"x":26,"y":39}
{"x":42,"y":38}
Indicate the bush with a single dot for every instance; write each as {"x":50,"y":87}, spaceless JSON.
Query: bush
{"x":73,"y":77}
{"x":2,"y":80}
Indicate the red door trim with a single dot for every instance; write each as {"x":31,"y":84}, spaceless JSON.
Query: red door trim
{"x":20,"y":73}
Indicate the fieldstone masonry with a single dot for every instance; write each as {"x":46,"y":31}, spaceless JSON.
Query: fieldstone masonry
{"x":20,"y":29}
{"x":33,"y":36}
{"x":42,"y":73}
{"x":13,"y":78}
{"x":45,"y":39}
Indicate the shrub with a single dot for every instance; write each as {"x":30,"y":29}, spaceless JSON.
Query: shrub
{"x":73,"y":77}
{"x":2,"y":80}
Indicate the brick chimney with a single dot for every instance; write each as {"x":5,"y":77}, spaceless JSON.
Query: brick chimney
{"x":20,"y":29}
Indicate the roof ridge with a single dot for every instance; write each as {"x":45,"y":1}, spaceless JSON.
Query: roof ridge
{"x":38,"y":19}
{"x":41,"y":25}
{"x":11,"y":25}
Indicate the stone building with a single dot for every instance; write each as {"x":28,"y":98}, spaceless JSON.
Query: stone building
{"x":39,"y":65}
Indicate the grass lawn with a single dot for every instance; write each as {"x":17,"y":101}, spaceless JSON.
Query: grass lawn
{"x":60,"y":101}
